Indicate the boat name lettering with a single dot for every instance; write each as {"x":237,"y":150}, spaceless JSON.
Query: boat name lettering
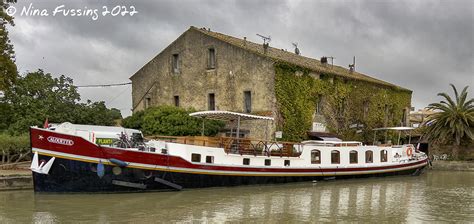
{"x":61,"y":141}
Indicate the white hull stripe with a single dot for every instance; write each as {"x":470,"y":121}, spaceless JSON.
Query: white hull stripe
{"x":217,"y":172}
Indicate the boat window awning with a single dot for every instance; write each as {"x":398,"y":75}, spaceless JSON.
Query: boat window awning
{"x":227,"y":115}
{"x":394,"y":128}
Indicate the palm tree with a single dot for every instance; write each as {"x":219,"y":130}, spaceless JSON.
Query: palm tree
{"x":454,"y":119}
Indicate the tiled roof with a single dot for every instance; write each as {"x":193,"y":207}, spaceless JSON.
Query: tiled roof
{"x":291,"y":58}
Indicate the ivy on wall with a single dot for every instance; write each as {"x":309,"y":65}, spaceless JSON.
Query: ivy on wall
{"x":345,"y":102}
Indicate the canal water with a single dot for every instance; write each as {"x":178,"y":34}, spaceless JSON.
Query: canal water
{"x":434,"y":196}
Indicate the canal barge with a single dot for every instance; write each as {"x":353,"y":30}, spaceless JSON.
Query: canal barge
{"x":81,"y":158}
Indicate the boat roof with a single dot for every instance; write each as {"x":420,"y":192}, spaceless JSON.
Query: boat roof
{"x":394,"y":128}
{"x":66,"y":126}
{"x":227,"y":115}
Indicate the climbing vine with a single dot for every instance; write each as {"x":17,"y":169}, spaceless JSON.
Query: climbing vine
{"x":346,"y":103}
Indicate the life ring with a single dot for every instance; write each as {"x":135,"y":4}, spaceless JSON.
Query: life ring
{"x":409,"y":151}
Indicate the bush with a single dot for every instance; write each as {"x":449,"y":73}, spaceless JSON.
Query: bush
{"x":172,"y":121}
{"x":14,"y":149}
{"x":135,"y":121}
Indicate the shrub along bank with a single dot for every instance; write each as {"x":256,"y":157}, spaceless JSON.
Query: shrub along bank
{"x":14,"y":149}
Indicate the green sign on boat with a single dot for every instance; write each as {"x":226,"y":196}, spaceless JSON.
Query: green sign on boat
{"x":104,"y":141}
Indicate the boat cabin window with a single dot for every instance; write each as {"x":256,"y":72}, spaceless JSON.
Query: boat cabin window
{"x":353,"y":157}
{"x":287,"y":162}
{"x":195,"y":157}
{"x":315,"y":156}
{"x":268,"y":162}
{"x":369,"y":157}
{"x":383,"y":156}
{"x":209,"y":159}
{"x":335,"y":157}
{"x":246,"y":161}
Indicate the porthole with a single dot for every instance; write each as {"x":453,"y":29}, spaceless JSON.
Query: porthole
{"x":117,"y":170}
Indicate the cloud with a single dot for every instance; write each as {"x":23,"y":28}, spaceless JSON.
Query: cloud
{"x":420,"y":45}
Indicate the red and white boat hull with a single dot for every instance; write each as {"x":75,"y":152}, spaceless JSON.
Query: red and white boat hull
{"x":77,"y":165}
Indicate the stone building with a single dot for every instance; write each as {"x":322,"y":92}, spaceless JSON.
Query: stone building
{"x":207,"y":70}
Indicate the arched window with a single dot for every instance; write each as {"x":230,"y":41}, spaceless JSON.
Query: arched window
{"x":315,"y":156}
{"x":369,"y":156}
{"x":383,"y":156}
{"x":353,"y":156}
{"x":335,"y":157}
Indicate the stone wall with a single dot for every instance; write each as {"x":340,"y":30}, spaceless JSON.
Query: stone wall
{"x":236,"y":71}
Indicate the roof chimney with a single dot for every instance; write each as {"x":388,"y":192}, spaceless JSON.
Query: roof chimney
{"x":352,"y":66}
{"x":324,"y":60}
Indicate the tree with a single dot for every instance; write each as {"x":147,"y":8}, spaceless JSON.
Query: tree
{"x":38,"y":96}
{"x":8,"y":69}
{"x":115,"y":114}
{"x":135,"y":121}
{"x":170,"y":120}
{"x":454,"y":120}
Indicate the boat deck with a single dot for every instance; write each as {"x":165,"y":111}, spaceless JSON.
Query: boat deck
{"x":242,"y":146}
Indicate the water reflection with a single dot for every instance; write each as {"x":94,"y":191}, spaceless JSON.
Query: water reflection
{"x":435,"y":196}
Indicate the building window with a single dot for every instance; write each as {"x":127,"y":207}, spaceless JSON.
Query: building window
{"x":248,"y":101}
{"x":315,"y":157}
{"x":383,"y":156}
{"x":335,"y":157}
{"x":353,"y":156}
{"x":366,"y":108}
{"x":246,"y":161}
{"x":404,"y":117}
{"x":369,"y":157}
{"x":319,"y":104}
{"x":268,"y":162}
{"x":211,"y":60}
{"x":342,"y":107}
{"x":287,"y":162}
{"x":209,"y":159}
{"x":196,"y":157}
{"x":211,"y":102}
{"x":176,"y":101}
{"x":147,"y":102}
{"x":175,"y":63}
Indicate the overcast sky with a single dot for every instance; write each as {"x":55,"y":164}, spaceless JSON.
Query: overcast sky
{"x":419,"y":45}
